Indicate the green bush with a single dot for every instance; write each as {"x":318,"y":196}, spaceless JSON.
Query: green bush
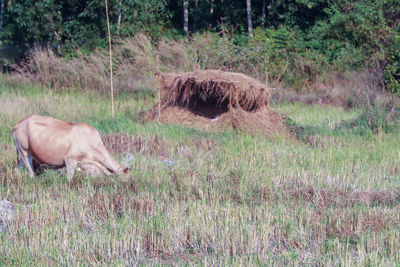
{"x":391,"y":73}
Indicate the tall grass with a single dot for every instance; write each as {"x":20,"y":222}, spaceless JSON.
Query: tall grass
{"x":135,"y":61}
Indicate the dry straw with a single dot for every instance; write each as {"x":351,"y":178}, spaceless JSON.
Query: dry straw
{"x":213,"y":99}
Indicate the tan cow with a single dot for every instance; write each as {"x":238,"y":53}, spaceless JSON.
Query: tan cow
{"x":57,"y":144}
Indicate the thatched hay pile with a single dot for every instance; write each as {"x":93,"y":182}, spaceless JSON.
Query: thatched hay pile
{"x":213,"y":99}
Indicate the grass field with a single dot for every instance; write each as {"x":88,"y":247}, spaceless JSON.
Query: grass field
{"x":231,"y":199}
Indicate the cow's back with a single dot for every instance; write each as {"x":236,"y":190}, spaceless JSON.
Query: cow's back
{"x":85,"y":137}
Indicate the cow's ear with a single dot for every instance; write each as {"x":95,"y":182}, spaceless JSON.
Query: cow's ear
{"x":126,"y":170}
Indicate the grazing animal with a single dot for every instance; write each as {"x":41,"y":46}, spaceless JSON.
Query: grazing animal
{"x":57,"y":144}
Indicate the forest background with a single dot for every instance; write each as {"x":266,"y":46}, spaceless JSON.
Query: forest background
{"x":296,"y":42}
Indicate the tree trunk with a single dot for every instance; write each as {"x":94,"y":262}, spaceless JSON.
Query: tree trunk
{"x":1,"y":17}
{"x":249,"y":22}
{"x":263,"y":12}
{"x":211,"y":13}
{"x":195,"y":15}
{"x":119,"y":15}
{"x":186,"y":17}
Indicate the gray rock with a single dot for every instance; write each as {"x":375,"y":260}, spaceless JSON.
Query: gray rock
{"x":6,"y":214}
{"x":167,"y":163}
{"x":128,"y":157}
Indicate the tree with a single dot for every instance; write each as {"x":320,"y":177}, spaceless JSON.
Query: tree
{"x":249,"y":21}
{"x":264,"y":3}
{"x":186,"y":17}
{"x":149,"y":16}
{"x":119,"y":15}
{"x":1,"y":16}
{"x":78,"y":23}
{"x":52,"y":23}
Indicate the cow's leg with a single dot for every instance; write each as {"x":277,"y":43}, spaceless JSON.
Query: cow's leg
{"x":19,"y":161}
{"x":70,"y":165}
{"x":26,"y":159}
{"x":31,"y":168}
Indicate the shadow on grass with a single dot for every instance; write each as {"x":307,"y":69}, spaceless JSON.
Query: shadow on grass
{"x":368,"y":124}
{"x":372,"y":121}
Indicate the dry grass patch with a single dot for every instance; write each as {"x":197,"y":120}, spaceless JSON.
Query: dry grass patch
{"x":324,"y":198}
{"x":120,"y":143}
{"x":376,"y":221}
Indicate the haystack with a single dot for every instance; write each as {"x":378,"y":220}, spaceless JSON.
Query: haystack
{"x":214,"y":99}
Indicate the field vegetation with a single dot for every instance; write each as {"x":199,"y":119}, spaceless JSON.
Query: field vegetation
{"x":329,"y":197}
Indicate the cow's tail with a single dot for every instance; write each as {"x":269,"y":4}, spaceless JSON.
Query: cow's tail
{"x":17,"y":147}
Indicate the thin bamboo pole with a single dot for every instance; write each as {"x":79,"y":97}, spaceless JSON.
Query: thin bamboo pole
{"x":159,"y":88}
{"x":111,"y":66}
{"x":267,"y":84}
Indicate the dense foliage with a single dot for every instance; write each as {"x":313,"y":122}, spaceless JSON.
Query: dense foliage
{"x":77,"y":23}
{"x":341,"y":34}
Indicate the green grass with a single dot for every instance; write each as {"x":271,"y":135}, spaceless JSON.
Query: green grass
{"x":231,"y":199}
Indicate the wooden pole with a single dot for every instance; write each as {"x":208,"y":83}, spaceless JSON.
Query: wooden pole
{"x":266,"y":85}
{"x":111,"y":67}
{"x":159,"y":88}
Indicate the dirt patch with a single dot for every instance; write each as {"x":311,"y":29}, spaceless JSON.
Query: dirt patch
{"x":376,"y":222}
{"x":378,"y":197}
{"x":323,"y":198}
{"x":120,"y":143}
{"x":119,"y":204}
{"x":346,"y":224}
